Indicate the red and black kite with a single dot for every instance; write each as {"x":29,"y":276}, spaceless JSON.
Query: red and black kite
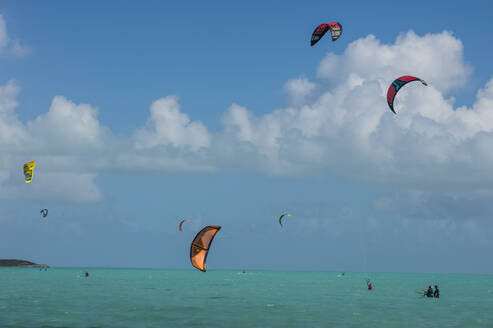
{"x":335,"y":30}
{"x":396,"y":86}
{"x":181,"y":223}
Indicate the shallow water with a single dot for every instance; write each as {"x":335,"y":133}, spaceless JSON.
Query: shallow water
{"x":63,"y":297}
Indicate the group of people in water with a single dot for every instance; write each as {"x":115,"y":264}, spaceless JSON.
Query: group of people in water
{"x":427,"y":293}
{"x":432,"y":293}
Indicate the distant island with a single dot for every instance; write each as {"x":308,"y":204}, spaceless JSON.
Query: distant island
{"x":21,"y":264}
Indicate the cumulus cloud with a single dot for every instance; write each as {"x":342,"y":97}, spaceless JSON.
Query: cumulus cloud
{"x":71,"y":147}
{"x":438,"y":57}
{"x":348,"y":129}
{"x":68,"y":127}
{"x":62,"y":141}
{"x":168,"y":126}
{"x":299,"y":90}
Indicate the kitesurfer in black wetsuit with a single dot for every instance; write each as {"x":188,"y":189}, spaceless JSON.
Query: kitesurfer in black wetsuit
{"x":436,"y":293}
{"x":429,"y":292}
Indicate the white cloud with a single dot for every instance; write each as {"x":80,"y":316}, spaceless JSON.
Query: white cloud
{"x":68,"y":127}
{"x":349,"y":130}
{"x":299,"y":90}
{"x":12,"y":133}
{"x":65,"y":186}
{"x":71,"y":147}
{"x":437,"y":58}
{"x":4,"y":38}
{"x":168,"y":126}
{"x":67,"y":143}
{"x":7,"y":44}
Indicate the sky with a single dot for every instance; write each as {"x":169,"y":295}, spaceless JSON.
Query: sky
{"x":141,"y":114}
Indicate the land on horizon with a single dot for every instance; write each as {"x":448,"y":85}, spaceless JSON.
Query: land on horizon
{"x":21,"y":263}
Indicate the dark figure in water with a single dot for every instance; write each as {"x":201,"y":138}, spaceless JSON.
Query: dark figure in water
{"x":429,"y":292}
{"x":368,"y":283}
{"x":87,"y":274}
{"x":436,"y":293}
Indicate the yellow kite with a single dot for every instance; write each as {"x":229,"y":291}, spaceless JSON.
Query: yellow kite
{"x":29,"y":171}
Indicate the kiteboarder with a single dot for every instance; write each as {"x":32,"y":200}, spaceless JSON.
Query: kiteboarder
{"x":429,"y":292}
{"x":436,"y":293}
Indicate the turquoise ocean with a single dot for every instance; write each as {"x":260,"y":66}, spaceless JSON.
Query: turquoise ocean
{"x":64,"y":297}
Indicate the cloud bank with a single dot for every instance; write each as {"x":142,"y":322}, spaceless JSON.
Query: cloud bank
{"x":339,"y":123}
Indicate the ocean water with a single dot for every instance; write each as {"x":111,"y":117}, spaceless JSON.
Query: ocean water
{"x":63,"y":297}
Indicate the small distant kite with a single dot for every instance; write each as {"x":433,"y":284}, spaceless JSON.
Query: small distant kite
{"x":29,"y":171}
{"x":181,"y":223}
{"x":280,"y":218}
{"x":396,"y":86}
{"x":200,"y":246}
{"x":44,"y":212}
{"x":335,"y":31}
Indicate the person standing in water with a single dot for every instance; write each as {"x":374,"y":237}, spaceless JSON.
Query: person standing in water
{"x":368,"y":283}
{"x":436,"y":293}
{"x":429,"y":292}
{"x":87,"y":274}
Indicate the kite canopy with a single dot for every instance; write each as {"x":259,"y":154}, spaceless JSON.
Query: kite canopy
{"x":335,"y":31}
{"x":44,"y":212}
{"x":396,"y":86}
{"x":181,"y":222}
{"x":280,"y":218}
{"x":29,"y":171}
{"x":200,"y":246}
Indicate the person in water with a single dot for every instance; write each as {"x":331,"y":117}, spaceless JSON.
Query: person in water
{"x":429,"y":292}
{"x":436,"y":293}
{"x":370,"y":286}
{"x":87,"y":274}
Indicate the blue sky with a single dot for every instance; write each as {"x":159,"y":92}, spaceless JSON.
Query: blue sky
{"x":141,"y":114}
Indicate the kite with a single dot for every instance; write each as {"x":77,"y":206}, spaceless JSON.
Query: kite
{"x":29,"y":171}
{"x":335,"y":30}
{"x":280,"y":218}
{"x":179,"y":226}
{"x":200,"y":246}
{"x":44,"y":212}
{"x":396,"y":86}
